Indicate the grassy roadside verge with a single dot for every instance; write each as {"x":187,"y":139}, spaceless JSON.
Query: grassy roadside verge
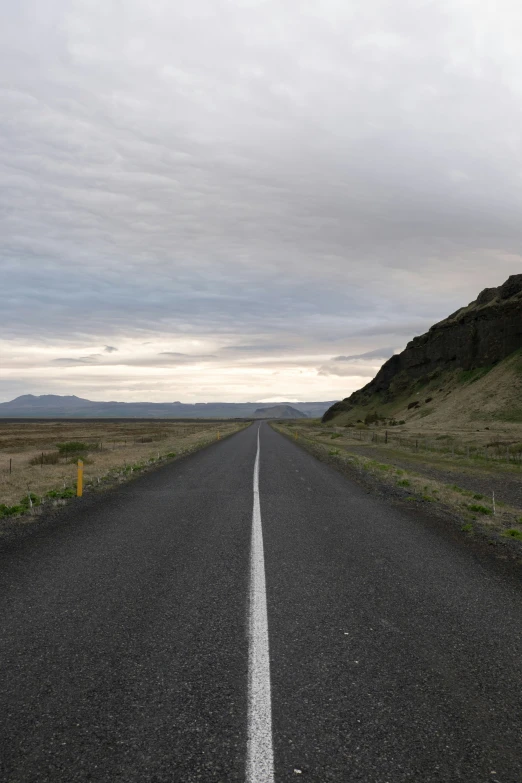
{"x":50,"y":486}
{"x":472,"y":512}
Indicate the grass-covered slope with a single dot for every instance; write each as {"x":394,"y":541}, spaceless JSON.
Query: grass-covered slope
{"x":465,"y":369}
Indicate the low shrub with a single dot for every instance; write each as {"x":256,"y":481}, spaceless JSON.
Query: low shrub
{"x":404,"y":483}
{"x":73,"y":447}
{"x":51,"y":458}
{"x":373,"y":418}
{"x":10,"y":511}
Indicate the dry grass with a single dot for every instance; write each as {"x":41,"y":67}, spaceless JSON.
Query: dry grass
{"x":495,"y":450}
{"x":125,"y":446}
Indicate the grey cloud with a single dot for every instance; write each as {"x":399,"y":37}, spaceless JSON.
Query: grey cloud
{"x":187,"y":358}
{"x":346,"y":370}
{"x":164,"y":358}
{"x":378,"y":353}
{"x":284,"y":176}
{"x":92,"y":359}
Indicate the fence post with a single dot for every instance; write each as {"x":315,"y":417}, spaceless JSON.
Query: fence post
{"x":79,"y":484}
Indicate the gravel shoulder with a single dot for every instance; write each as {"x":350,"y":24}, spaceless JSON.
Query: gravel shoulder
{"x":458,"y":499}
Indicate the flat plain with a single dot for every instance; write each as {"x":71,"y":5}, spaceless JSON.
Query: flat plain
{"x":40,"y":457}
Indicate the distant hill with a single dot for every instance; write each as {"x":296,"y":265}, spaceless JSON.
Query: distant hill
{"x":279,"y":412}
{"x":465,"y":369}
{"x":58,"y":407}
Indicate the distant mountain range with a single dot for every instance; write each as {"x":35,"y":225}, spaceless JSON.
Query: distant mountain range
{"x":280,"y":412}
{"x":67,"y":407}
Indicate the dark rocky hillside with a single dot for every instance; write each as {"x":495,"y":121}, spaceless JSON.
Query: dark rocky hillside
{"x":477,"y":336}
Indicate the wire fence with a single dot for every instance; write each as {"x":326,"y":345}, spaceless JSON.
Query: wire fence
{"x":446,"y":445}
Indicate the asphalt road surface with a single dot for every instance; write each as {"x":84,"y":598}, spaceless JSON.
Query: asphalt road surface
{"x":146,"y":636}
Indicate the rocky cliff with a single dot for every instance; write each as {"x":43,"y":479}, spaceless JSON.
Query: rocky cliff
{"x":479,"y":335}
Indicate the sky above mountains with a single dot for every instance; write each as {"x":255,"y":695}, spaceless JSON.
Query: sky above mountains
{"x":248,"y":199}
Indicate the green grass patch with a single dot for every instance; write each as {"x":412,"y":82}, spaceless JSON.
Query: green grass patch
{"x":513,"y":532}
{"x":470,"y":376}
{"x":461,"y":490}
{"x":404,"y":483}
{"x":513,"y":415}
{"x":379,"y":465}
{"x":467,"y":528}
{"x":478,"y":509}
{"x":61,"y":494}
{"x":30,"y":499}
{"x":333,"y":452}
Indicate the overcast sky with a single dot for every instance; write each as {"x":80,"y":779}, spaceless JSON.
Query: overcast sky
{"x":248,"y":200}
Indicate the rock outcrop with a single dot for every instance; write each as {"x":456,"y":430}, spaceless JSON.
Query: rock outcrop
{"x":479,"y":335}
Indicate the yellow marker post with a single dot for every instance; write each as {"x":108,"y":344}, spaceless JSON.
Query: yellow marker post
{"x":219,"y":435}
{"x":79,"y":483}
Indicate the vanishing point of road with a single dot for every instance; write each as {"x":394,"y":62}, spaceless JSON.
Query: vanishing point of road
{"x":249,"y":614}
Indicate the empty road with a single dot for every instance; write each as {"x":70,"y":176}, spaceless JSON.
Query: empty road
{"x":249,"y":614}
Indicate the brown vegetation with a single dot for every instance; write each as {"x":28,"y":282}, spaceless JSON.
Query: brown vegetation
{"x":41,"y":458}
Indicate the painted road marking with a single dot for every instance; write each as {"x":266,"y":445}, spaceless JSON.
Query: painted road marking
{"x":260,"y":754}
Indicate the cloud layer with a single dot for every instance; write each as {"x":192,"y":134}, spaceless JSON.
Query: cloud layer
{"x":219,"y":200}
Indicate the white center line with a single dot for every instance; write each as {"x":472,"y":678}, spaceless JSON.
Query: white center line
{"x":260,"y":754}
